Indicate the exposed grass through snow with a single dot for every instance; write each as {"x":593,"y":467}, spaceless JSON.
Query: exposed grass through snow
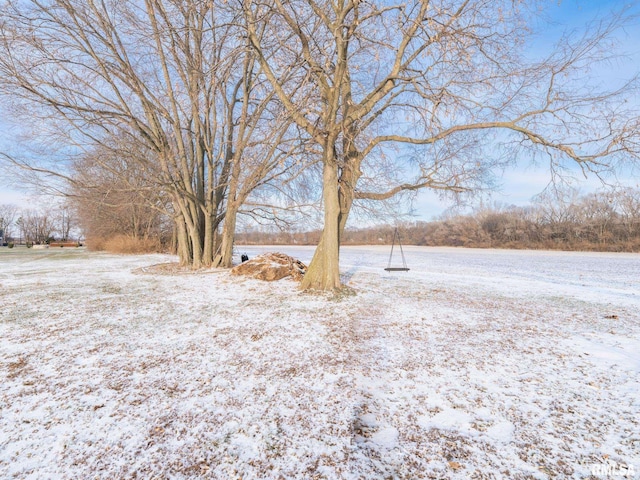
{"x":475,"y":364}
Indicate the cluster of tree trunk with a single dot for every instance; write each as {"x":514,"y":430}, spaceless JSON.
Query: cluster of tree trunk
{"x":211,"y":109}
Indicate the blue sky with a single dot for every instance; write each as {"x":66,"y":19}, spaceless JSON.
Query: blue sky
{"x":521,"y":182}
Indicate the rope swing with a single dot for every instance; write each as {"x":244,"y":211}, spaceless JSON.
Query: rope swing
{"x":404,"y":267}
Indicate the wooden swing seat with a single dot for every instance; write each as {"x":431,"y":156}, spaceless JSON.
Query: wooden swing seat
{"x":403,"y":268}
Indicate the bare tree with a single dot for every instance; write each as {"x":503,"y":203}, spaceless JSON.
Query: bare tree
{"x":173,"y":77}
{"x":628,"y":207}
{"x":557,"y":205}
{"x":264,"y":148}
{"x":8,"y":216}
{"x":440,"y":77}
{"x":66,"y":222}
{"x":114,"y":194}
{"x":37,"y":226}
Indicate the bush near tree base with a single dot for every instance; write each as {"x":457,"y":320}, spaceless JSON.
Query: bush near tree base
{"x":124,"y":244}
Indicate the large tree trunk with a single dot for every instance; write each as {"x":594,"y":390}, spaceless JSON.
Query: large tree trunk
{"x":339,"y":193}
{"x":349,"y":176}
{"x":228,"y":236}
{"x":196,"y":246}
{"x":324,"y":270}
{"x":192,"y":237}
{"x":209,"y":245}
{"x":183,"y":245}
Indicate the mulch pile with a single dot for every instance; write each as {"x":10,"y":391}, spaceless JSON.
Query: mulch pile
{"x":271,"y":266}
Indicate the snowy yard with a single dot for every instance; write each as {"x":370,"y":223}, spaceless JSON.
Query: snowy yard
{"x":474,"y":364}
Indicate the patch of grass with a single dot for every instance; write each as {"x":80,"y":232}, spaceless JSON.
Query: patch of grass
{"x":343,"y":293}
{"x":112,"y":289}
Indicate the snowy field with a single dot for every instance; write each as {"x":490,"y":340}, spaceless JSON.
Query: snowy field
{"x":474,"y":364}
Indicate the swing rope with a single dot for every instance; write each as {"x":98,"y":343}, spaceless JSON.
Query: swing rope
{"x":404,"y":267}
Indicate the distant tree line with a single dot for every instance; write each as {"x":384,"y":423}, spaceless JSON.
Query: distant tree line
{"x":115,"y":220}
{"x":119,"y":220}
{"x":37,"y":226}
{"x":601,"y":221}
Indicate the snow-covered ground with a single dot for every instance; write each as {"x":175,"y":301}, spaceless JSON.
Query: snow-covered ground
{"x":474,"y":364}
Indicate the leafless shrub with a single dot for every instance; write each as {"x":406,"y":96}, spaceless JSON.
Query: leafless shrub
{"x":129,"y":245}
